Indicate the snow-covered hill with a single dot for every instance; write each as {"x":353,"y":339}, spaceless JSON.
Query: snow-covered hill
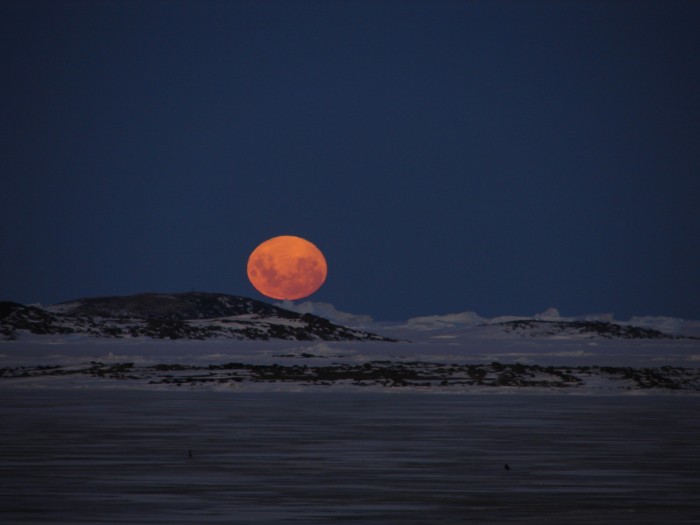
{"x":215,"y":341}
{"x":193,"y":315}
{"x":546,"y":324}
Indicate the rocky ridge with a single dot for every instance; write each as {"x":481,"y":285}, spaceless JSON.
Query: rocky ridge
{"x":411,"y":374}
{"x":605,"y":329}
{"x":192,"y":315}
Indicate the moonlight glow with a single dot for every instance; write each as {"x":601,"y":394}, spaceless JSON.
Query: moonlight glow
{"x":287,"y":267}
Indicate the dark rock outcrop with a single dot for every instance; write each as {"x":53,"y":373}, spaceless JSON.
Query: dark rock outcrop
{"x":189,"y":305}
{"x":424,"y":375}
{"x":541,"y":328}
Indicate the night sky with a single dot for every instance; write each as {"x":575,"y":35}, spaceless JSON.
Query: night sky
{"x":496,"y":156}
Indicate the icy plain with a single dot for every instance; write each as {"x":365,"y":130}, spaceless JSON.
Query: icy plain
{"x":85,"y":448}
{"x":84,"y":456}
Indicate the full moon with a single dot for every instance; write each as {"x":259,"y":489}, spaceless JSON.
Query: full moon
{"x":287,"y":267}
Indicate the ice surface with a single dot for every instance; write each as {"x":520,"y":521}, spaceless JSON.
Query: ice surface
{"x":110,"y":457}
{"x":98,"y":450}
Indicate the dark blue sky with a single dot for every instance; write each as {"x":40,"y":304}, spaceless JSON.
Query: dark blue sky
{"x":495,"y":156}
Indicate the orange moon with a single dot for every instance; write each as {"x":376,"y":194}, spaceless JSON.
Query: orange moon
{"x":287,"y":267}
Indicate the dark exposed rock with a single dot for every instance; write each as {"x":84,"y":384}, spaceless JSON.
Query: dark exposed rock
{"x":15,"y":316}
{"x":188,"y":305}
{"x":539,"y":328}
{"x":381,"y":373}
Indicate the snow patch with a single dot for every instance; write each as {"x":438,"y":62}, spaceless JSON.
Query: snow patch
{"x":328,"y":311}
{"x":669,"y":325}
{"x":440,"y":322}
{"x":550,"y":314}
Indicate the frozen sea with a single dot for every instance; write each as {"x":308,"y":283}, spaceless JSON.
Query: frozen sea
{"x":78,"y":449}
{"x":71,"y":456}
